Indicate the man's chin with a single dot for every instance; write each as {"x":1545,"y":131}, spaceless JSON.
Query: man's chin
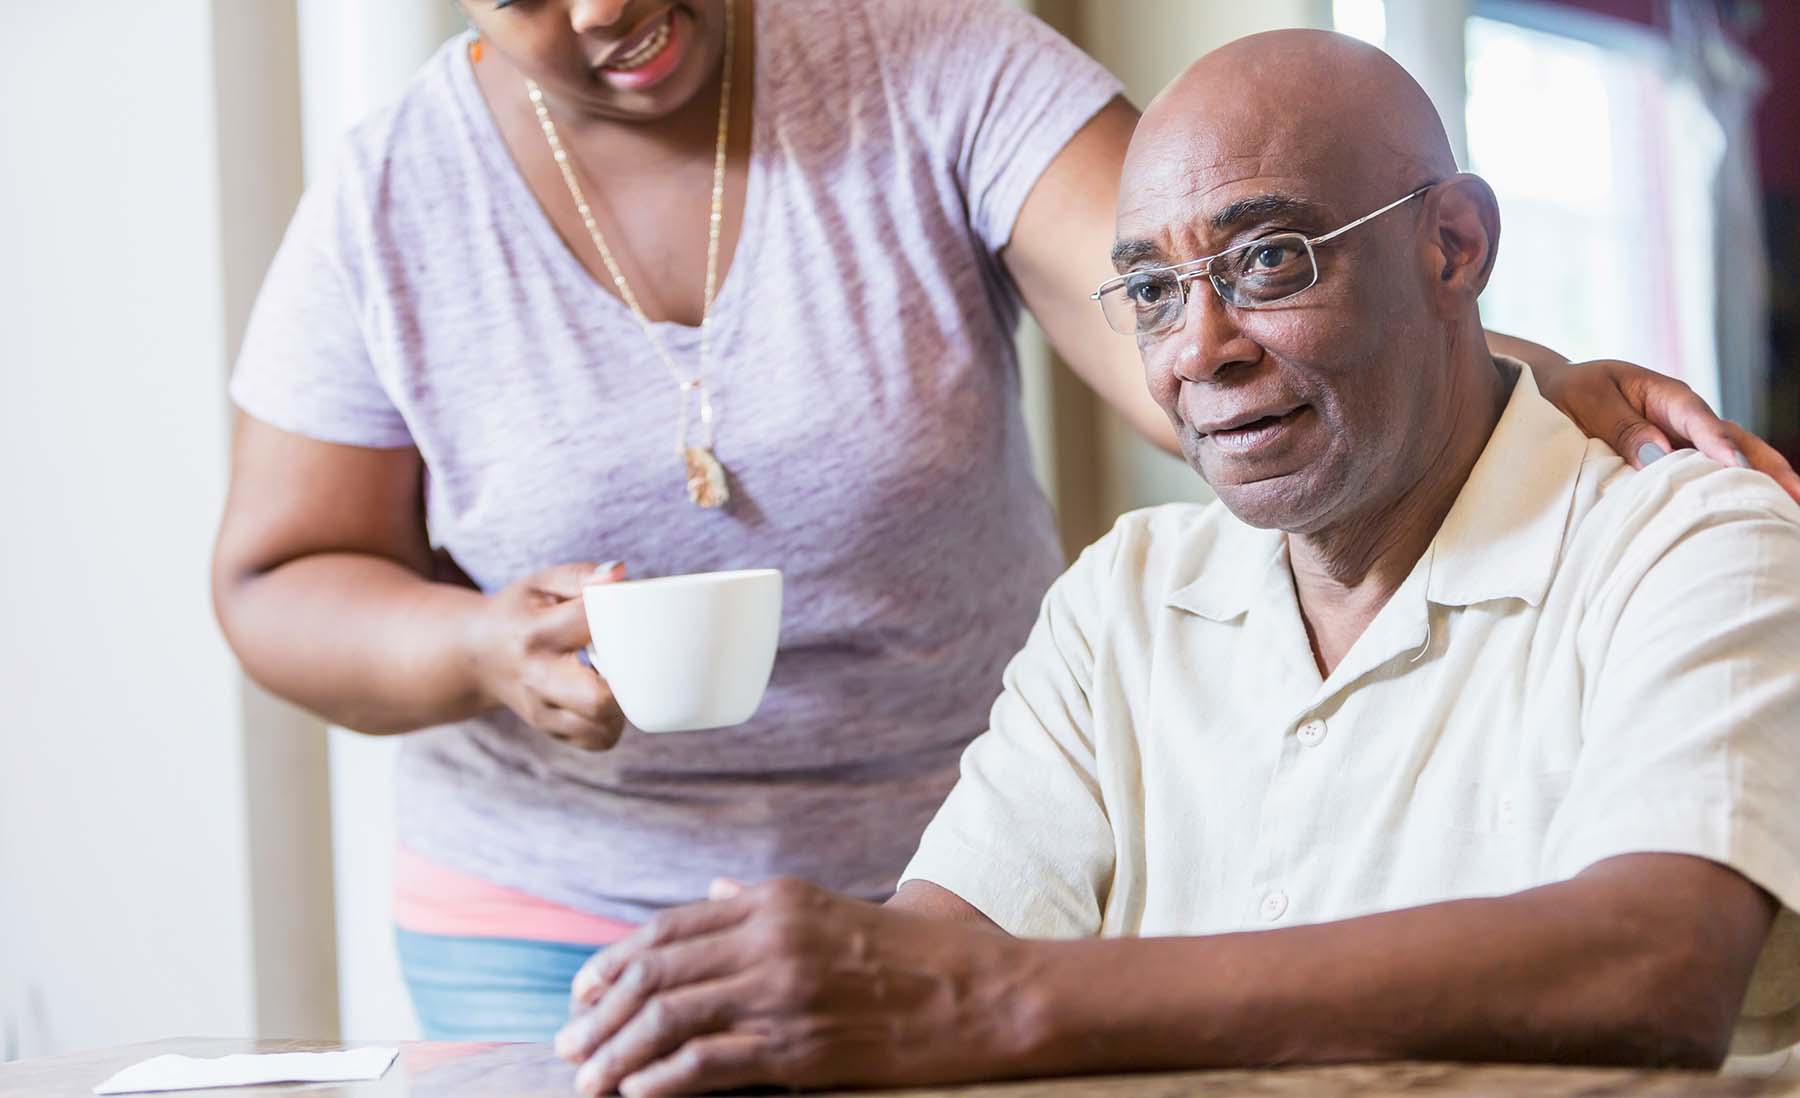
{"x":1276,"y":486}
{"x":1288,"y":501}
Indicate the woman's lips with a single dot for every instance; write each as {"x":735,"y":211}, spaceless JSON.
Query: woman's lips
{"x":654,"y":54}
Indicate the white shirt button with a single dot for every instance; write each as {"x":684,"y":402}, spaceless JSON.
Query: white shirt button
{"x":1274,"y":905}
{"x":1312,"y":733}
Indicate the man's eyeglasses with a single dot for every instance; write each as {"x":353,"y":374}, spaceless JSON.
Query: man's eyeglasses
{"x":1250,"y":276}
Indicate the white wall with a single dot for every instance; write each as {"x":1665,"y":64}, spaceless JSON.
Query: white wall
{"x":1426,"y":36}
{"x":153,"y":880}
{"x":355,"y":56}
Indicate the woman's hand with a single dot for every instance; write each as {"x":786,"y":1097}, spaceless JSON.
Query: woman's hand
{"x":1643,"y":415}
{"x":529,"y":656}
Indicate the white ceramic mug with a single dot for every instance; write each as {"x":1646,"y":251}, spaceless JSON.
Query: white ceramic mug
{"x":684,"y":653}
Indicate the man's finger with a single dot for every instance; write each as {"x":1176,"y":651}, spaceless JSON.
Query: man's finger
{"x":705,"y":1065}
{"x":677,"y":924}
{"x":663,"y":1024}
{"x":659,"y":972}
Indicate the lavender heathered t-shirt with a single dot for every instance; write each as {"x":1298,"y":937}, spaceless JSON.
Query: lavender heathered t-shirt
{"x":869,"y":413}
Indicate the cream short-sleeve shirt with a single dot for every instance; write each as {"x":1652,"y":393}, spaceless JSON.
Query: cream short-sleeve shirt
{"x":1588,"y":661}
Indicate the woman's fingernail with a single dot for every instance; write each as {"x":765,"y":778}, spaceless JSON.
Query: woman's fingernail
{"x":607,"y":568}
{"x":1743,"y":462}
{"x":1649,"y":452}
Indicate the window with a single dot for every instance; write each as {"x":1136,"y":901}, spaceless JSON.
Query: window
{"x":1603,"y":165}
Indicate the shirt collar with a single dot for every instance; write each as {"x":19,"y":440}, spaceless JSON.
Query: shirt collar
{"x":1501,"y":538}
{"x":1504,"y":535}
{"x":1243,"y":561}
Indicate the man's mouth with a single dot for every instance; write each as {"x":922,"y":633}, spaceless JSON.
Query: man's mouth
{"x":1242,"y":435}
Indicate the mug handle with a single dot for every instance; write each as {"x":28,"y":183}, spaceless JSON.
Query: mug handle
{"x":588,"y":657}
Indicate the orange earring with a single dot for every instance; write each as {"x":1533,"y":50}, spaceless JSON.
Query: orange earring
{"x":475,"y":49}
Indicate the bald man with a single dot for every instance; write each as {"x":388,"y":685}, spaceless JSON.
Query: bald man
{"x":1442,"y":735}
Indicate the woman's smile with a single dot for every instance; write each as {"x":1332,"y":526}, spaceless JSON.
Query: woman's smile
{"x":654,"y":51}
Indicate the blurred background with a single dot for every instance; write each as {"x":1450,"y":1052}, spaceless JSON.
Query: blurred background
{"x":180,"y":854}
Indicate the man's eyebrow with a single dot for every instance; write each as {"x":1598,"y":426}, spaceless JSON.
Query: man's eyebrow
{"x":1262,"y":207}
{"x":1126,"y":252}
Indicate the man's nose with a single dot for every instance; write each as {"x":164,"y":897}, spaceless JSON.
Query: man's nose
{"x":1211,"y":341}
{"x":588,"y":15}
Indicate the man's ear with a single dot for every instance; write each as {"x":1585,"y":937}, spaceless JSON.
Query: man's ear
{"x":1465,"y":220}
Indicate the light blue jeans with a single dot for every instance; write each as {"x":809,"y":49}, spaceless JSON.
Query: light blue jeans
{"x":488,"y":989}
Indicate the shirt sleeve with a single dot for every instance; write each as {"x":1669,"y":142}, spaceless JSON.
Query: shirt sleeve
{"x":999,"y":93}
{"x":1024,"y":836}
{"x":305,"y":364}
{"x":1691,"y":725}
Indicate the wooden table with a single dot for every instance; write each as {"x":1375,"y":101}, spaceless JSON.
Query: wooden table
{"x":443,"y":1070}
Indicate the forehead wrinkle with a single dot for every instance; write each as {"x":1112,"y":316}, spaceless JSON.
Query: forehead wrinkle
{"x":1173,"y":191}
{"x":1183,"y":167}
{"x":1203,"y":167}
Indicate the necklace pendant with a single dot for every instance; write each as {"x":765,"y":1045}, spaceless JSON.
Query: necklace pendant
{"x":706,"y":485}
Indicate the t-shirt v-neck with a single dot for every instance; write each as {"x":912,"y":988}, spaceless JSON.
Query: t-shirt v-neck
{"x":491,"y":145}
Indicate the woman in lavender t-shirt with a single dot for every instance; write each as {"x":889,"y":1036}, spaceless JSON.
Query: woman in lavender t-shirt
{"x":449,"y":415}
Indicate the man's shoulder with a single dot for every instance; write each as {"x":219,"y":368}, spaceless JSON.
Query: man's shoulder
{"x":1625,"y":522}
{"x":1668,"y":499}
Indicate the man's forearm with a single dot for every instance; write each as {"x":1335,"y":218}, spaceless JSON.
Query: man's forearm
{"x":1581,"y":971}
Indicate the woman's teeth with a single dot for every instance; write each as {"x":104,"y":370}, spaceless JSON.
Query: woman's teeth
{"x":643,"y":52}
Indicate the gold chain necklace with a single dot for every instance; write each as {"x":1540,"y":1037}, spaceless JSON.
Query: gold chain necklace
{"x":706,"y":481}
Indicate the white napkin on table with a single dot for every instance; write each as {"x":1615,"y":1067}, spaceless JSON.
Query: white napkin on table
{"x":177,"y":1072}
